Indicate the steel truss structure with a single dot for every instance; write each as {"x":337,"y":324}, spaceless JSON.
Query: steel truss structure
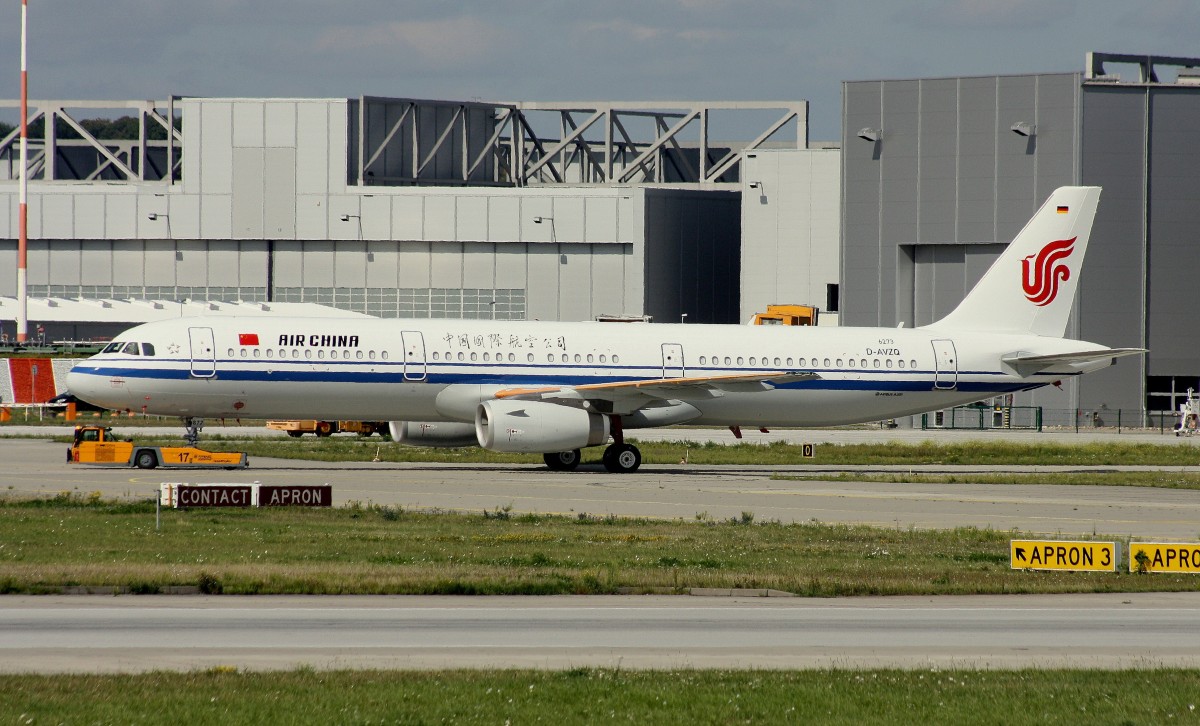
{"x":401,"y":141}
{"x":411,"y":141}
{"x":89,"y":158}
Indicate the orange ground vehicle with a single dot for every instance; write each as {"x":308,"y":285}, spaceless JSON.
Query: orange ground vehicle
{"x":327,"y":428}
{"x":96,"y":445}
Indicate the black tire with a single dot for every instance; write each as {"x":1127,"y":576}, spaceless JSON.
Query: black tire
{"x":324,"y":428}
{"x":145,"y":459}
{"x":366,"y":430}
{"x":295,"y":434}
{"x":562,"y":460}
{"x":622,"y":458}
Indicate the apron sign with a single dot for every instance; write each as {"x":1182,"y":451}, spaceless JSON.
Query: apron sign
{"x":1164,"y":557}
{"x":1029,"y":554}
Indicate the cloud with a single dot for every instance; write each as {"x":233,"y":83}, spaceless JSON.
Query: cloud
{"x":451,"y":41}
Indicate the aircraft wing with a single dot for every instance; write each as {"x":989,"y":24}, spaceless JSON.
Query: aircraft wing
{"x":631,"y":395}
{"x":1035,"y":363}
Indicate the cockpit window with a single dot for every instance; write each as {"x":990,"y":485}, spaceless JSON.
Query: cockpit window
{"x":147,"y":349}
{"x":131,"y":349}
{"x":112,"y":347}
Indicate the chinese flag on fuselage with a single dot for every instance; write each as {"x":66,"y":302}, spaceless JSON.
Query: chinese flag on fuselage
{"x":247,"y":338}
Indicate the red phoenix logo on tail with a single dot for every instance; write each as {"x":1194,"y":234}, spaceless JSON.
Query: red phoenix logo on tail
{"x":1043,"y":271}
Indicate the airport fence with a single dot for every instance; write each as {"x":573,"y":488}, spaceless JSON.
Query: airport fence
{"x":1037,"y":418}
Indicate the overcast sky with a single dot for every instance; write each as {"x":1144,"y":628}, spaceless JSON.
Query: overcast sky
{"x":554,"y":50}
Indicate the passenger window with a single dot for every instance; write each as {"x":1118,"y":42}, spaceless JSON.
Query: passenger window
{"x":777,"y":362}
{"x":912,"y":364}
{"x":839,"y":363}
{"x":321,"y":354}
{"x":512,"y":358}
{"x":789,"y":362}
{"x":577,"y":358}
{"x":358,"y":354}
{"x":889,"y":362}
{"x":901,"y":364}
{"x":147,"y":349}
{"x":529,"y":358}
{"x":474,"y":356}
{"x":371,"y":354}
{"x":229,"y":352}
{"x":270,"y":352}
{"x":589,"y":357}
{"x":435,"y":355}
{"x":851,"y":362}
{"x":826,"y":362}
{"x":257,"y":353}
{"x":308,"y":353}
{"x":603,"y":358}
{"x":740,"y":360}
{"x":727,"y":359}
{"x":487,"y":357}
{"x":616,"y":359}
{"x":751,"y":361}
{"x":384,"y":355}
{"x":876,"y":362}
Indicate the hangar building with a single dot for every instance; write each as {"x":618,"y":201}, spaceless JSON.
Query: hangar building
{"x":414,"y":208}
{"x":940,"y":174}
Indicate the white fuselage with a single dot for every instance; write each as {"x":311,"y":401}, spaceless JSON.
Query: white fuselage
{"x":439,"y":370}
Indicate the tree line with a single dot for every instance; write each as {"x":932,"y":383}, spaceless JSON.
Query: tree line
{"x":123,"y":128}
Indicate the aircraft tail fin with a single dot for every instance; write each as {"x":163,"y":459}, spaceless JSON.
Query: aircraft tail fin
{"x":1031,"y":286}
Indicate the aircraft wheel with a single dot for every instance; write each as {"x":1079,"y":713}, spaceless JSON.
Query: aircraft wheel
{"x":622,"y":458}
{"x":146,"y":460}
{"x":562,"y":460}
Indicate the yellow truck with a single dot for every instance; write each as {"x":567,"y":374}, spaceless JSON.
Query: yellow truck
{"x":297,"y":429}
{"x":787,"y":315}
{"x":96,"y":445}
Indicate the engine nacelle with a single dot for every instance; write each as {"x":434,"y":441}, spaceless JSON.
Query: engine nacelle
{"x":536,"y":427}
{"x":440,"y":434}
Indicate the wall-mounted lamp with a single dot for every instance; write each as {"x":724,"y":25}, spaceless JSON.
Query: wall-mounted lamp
{"x":1023,"y":128}
{"x":755,"y":184}
{"x":538,"y":220}
{"x":348,"y":217}
{"x":870,"y":134}
{"x":682,"y":318}
{"x":153,"y":216}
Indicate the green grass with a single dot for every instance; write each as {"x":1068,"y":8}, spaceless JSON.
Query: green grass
{"x":1156,"y":479}
{"x":72,"y":541}
{"x":585,"y":696}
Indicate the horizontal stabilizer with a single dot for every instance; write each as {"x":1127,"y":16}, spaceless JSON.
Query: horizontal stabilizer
{"x":1033,"y":363}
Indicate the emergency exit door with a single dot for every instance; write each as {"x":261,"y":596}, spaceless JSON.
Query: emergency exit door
{"x":945,"y":373}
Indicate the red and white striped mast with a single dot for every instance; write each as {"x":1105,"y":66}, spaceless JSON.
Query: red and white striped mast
{"x":23,"y":213}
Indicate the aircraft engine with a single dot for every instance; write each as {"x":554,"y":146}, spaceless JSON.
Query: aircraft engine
{"x":441,"y":434}
{"x":535,"y":427}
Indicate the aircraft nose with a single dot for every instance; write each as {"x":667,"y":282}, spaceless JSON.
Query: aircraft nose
{"x":86,"y":382}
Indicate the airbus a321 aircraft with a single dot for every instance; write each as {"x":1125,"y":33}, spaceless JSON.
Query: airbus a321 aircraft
{"x":556,"y":387}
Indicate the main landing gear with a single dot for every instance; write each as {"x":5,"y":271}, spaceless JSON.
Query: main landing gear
{"x":619,"y":457}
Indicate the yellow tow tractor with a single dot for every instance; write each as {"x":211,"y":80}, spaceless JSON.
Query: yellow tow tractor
{"x":296,"y":429}
{"x":787,"y":315}
{"x":96,"y":445}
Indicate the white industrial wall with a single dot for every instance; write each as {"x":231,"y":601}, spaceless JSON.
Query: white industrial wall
{"x":267,"y":179}
{"x":791,"y":228}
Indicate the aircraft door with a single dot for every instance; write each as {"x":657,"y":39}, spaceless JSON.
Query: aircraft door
{"x":945,"y":375}
{"x":672,"y":354}
{"x":414,"y":355}
{"x":204,"y":352}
